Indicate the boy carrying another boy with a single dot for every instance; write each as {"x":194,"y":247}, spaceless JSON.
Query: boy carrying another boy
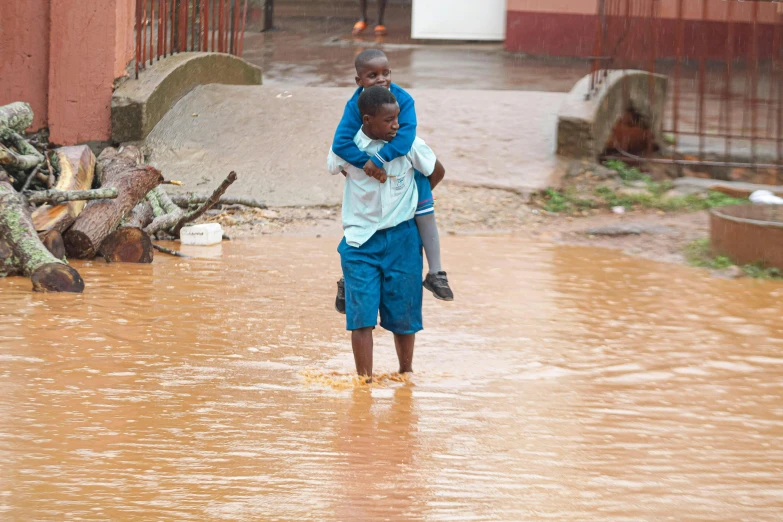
{"x":372,"y":70}
{"x":381,"y":251}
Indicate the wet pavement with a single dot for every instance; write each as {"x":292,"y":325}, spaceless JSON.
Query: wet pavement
{"x":489,"y":115}
{"x":277,"y":139}
{"x":563,"y":384}
{"x":312,"y":46}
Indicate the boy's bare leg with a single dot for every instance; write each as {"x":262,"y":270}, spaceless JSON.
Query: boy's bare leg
{"x":361,"y":340}
{"x":363,"y":6}
{"x":404,"y":345}
{"x":381,"y":10}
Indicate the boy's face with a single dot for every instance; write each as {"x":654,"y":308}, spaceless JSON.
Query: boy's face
{"x":384,"y":125}
{"x":376,"y":72}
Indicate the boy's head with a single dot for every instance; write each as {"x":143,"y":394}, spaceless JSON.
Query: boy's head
{"x":379,"y":111}
{"x":372,"y":69}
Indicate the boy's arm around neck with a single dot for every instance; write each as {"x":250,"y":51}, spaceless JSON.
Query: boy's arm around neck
{"x":343,"y":144}
{"x":402,"y":143}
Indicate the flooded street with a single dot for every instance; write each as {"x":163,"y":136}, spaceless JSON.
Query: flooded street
{"x":563,"y":384}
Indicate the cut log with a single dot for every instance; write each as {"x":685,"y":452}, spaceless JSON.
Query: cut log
{"x":101,"y":218}
{"x":196,"y":199}
{"x":127,"y":245}
{"x":53,"y":241}
{"x":112,"y":160}
{"x":77,"y":169}
{"x":57,"y":277}
{"x":57,"y":197}
{"x":24,"y":253}
{"x":141,"y":216}
{"x":15,"y":117}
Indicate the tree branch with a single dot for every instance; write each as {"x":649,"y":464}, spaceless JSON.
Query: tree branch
{"x":55,"y":197}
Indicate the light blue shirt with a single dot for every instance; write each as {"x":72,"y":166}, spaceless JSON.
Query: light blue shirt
{"x":368,"y":204}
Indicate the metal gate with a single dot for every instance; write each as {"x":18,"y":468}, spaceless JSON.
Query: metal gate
{"x":166,"y":27}
{"x":724,"y":59}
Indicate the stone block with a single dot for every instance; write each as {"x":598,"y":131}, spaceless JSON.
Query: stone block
{"x":586,"y":120}
{"x":138,"y":105}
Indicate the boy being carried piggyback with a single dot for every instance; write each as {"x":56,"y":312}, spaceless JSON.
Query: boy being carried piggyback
{"x":372,"y":69}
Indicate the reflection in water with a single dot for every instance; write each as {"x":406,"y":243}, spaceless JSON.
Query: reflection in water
{"x":376,"y":443}
{"x":564,"y":384}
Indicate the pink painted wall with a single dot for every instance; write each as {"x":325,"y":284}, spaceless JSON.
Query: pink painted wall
{"x":89,"y":50}
{"x":569,"y":27}
{"x":717,"y":10}
{"x":124,"y":44}
{"x":24,"y":55}
{"x":66,"y":69}
{"x":554,"y":6}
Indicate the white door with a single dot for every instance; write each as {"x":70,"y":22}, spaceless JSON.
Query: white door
{"x":459,"y":19}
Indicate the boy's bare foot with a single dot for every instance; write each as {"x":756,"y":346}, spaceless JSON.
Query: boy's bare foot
{"x":438,"y":284}
{"x":359,"y":27}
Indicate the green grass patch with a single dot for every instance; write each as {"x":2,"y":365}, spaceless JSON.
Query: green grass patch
{"x":655,"y":198}
{"x":565,"y":202}
{"x":699,"y":254}
{"x":626,"y":172}
{"x":645,"y":193}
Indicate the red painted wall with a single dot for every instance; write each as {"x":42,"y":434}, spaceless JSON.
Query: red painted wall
{"x":550,"y":34}
{"x":24,"y":55}
{"x":568,"y":28}
{"x":62,"y":57}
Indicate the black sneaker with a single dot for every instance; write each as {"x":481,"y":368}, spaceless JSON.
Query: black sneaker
{"x":438,"y":284}
{"x":339,"y":301}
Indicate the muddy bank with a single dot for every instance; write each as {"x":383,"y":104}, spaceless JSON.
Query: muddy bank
{"x":470,"y":210}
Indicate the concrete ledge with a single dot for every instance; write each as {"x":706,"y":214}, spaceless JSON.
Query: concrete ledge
{"x":584,"y":125}
{"x":138,"y":105}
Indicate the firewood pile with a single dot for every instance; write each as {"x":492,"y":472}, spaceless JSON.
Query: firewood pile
{"x":66,"y":204}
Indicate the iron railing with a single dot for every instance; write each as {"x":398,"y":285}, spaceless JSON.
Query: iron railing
{"x":167,"y":27}
{"x":725,"y":63}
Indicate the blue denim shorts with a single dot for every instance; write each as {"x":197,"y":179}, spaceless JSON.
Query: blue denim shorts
{"x":426,"y":200}
{"x":384,"y":275}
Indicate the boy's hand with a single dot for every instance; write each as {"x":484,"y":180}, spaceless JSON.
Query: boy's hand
{"x":372,"y":170}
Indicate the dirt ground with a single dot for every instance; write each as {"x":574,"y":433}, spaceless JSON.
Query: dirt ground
{"x":463,"y":209}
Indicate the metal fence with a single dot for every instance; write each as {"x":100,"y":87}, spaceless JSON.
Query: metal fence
{"x":166,"y":27}
{"x":725,"y":64}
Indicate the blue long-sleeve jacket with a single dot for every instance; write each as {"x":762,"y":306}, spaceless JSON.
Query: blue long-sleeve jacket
{"x":351,"y":122}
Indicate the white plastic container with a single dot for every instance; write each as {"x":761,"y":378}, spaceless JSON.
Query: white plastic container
{"x":204,"y":234}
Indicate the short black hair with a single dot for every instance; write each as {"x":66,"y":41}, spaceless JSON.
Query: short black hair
{"x":373,"y":98}
{"x":367,"y":56}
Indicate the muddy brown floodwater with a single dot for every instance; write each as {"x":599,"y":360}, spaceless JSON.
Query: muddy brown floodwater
{"x":564,"y":384}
